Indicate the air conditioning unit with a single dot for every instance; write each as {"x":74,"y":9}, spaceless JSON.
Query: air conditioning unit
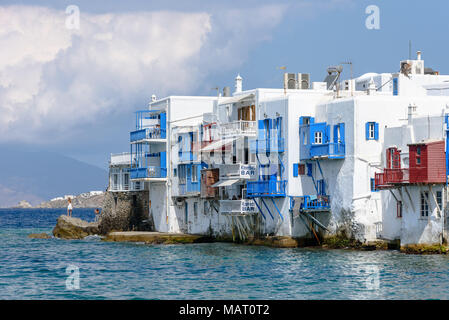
{"x":290,"y":81}
{"x":297,"y":81}
{"x":303,"y":81}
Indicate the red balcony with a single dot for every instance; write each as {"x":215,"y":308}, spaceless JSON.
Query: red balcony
{"x":391,"y":177}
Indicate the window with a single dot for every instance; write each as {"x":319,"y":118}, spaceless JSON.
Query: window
{"x":115,"y":181}
{"x":137,"y":185}
{"x":373,"y":185}
{"x":372,"y":131}
{"x":439,"y":196}
{"x":194,"y":173}
{"x":126,"y":181}
{"x":318,"y":137}
{"x":195,"y":210}
{"x":321,"y":187}
{"x":399,"y":209}
{"x":298,"y":169}
{"x":418,"y":155}
{"x":174,"y":172}
{"x":424,"y":204}
{"x":182,"y":174}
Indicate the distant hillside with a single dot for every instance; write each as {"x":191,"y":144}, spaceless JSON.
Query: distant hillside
{"x":39,"y":176}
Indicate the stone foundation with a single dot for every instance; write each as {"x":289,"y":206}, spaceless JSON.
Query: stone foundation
{"x":125,"y":211}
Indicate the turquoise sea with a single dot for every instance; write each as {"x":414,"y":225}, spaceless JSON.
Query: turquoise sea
{"x":36,"y":268}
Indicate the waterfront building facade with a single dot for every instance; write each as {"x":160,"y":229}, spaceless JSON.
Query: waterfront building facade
{"x":303,"y":161}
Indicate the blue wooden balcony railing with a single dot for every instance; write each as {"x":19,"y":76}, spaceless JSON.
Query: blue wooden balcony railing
{"x":148,"y":172}
{"x":329,"y":150}
{"x":316,"y":203}
{"x":269,"y":188}
{"x":148,"y":133}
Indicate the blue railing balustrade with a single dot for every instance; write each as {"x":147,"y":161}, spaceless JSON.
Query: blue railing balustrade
{"x":316,"y":203}
{"x":269,"y":188}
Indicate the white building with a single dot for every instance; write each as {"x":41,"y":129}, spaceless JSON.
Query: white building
{"x":299,"y":161}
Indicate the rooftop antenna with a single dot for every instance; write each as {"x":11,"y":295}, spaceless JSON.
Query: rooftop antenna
{"x":410,"y":49}
{"x":285,"y":88}
{"x":350,"y":67}
{"x":218,"y":91}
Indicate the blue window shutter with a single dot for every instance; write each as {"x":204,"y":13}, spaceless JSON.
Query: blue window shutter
{"x":336,"y":133}
{"x":261,"y":130}
{"x":342,"y":132}
{"x":309,"y":170}
{"x":327,"y":135}
{"x":395,"y":86}
{"x":295,"y":169}
{"x":367,"y":131}
{"x":376,"y":131}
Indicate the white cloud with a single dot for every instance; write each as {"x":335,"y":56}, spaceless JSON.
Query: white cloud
{"x":54,"y":80}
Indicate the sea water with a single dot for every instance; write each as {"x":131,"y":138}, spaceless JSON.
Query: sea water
{"x":44,"y":268}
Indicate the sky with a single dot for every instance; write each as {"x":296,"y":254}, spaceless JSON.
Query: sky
{"x":74,"y":90}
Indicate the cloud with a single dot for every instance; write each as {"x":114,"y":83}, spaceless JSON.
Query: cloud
{"x":54,"y":80}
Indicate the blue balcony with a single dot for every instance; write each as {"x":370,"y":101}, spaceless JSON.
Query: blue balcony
{"x":315,"y":204}
{"x":328,"y":150}
{"x":193,"y":188}
{"x":152,"y":133}
{"x":150,"y":125}
{"x":264,"y":146}
{"x":268,"y":189}
{"x":148,"y":172}
{"x":315,"y":141}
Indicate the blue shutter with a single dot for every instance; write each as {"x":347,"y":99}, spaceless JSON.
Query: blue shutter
{"x":342,"y":132}
{"x":163,"y":124}
{"x":367,"y":131}
{"x":395,"y":86}
{"x":376,"y":131}
{"x":309,"y":170}
{"x":261,"y":131}
{"x":336,"y":133}
{"x":295,"y":169}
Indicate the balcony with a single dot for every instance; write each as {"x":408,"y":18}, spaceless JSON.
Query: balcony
{"x":237,"y":207}
{"x":237,"y":171}
{"x":327,"y":150}
{"x":190,"y":189}
{"x":119,"y":159}
{"x":264,"y":146}
{"x":155,"y":133}
{"x":238,"y":128}
{"x":315,"y":204}
{"x":150,"y":172}
{"x":270,"y":188}
{"x":391,"y":177}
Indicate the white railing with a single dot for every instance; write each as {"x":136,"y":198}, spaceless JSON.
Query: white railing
{"x":238,"y":128}
{"x":120,"y":159}
{"x":243,"y":206}
{"x":237,"y":171}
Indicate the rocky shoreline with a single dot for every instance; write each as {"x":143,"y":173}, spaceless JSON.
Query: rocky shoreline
{"x":75,"y":228}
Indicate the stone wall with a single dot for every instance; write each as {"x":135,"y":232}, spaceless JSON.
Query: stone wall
{"x":125,"y":211}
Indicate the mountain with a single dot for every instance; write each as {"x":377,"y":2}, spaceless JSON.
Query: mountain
{"x":39,"y":176}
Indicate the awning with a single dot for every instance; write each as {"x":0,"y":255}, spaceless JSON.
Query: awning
{"x":236,"y":99}
{"x":218,"y":144}
{"x":225,"y":183}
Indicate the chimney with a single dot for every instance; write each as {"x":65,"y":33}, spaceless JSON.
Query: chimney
{"x":411,"y":110}
{"x":226,"y":92}
{"x":238,"y":84}
{"x":153,"y":98}
{"x":371,"y":87}
{"x":418,"y":55}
